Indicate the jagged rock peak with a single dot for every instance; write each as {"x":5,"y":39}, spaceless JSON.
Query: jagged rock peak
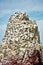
{"x":19,"y":15}
{"x":18,"y":22}
{"x":21,"y":37}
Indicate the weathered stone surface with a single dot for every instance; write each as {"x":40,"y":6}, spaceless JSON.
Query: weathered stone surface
{"x":21,"y":37}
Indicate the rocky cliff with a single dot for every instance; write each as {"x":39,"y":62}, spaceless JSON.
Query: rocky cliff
{"x":21,"y":38}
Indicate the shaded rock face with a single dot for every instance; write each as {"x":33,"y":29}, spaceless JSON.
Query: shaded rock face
{"x":21,"y":38}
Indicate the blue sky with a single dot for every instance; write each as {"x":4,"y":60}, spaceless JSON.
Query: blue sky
{"x":34,"y":9}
